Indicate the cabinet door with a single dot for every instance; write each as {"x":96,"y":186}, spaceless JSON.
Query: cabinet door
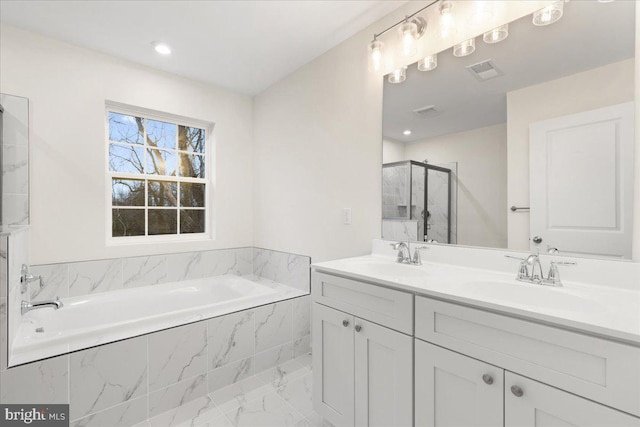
{"x":453,"y":390}
{"x":333,"y":365}
{"x":383,"y":376}
{"x":529,"y":403}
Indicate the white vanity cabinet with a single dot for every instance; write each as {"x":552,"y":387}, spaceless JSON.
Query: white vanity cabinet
{"x":363,"y":371}
{"x":375,"y":348}
{"x":455,"y":390}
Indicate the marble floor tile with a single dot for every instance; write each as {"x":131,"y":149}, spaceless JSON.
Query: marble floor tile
{"x":299,"y":393}
{"x":268,"y":411}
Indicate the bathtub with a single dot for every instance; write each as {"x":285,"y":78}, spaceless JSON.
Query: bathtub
{"x":97,"y":319}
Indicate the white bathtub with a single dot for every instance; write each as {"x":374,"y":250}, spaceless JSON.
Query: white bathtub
{"x":91,"y":320}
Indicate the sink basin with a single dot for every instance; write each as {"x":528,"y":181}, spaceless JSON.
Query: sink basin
{"x":529,"y":294}
{"x":387,"y":269}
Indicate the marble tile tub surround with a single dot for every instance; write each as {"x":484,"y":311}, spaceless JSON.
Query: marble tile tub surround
{"x":600,"y":272}
{"x":126,"y":382}
{"x":84,"y":278}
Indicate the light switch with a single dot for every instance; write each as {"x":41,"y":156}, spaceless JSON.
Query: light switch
{"x":346,"y":216}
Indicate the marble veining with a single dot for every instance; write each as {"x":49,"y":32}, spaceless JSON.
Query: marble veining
{"x":230,"y":338}
{"x":273,"y":325}
{"x":40,"y":382}
{"x":123,"y":415}
{"x":95,"y":276}
{"x":282,"y":267}
{"x":104,"y":376}
{"x":177,"y":394}
{"x":177,"y":354}
{"x":144,"y":271}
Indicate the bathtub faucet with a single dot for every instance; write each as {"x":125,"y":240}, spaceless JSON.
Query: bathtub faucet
{"x":28,"y":306}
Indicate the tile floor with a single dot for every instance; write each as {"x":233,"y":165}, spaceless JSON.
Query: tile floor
{"x":278,"y":397}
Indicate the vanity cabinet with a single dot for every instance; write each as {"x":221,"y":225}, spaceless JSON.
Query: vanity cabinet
{"x":363,"y":371}
{"x":376,"y":348}
{"x":456,"y":390}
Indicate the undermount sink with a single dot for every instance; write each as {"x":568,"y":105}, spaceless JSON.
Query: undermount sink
{"x":522,"y":293}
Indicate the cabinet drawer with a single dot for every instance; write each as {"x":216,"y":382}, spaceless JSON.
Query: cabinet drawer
{"x":595,"y":368}
{"x":384,"y":306}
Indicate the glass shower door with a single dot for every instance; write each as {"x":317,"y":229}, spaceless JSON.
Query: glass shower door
{"x":438,"y":223}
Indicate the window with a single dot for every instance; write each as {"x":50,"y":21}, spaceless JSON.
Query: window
{"x":158,"y":175}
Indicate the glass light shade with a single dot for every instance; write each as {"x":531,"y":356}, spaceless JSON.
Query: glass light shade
{"x":428,"y":63}
{"x":409,"y":38}
{"x":497,"y":34}
{"x":376,"y":56}
{"x":398,"y":75}
{"x":465,"y":48}
{"x":446,"y":18}
{"x":549,"y":14}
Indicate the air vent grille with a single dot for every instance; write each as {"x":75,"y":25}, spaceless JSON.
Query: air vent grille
{"x":485,"y":70}
{"x":424,"y":111}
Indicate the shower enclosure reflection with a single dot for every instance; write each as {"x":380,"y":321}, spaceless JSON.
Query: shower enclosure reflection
{"x":417,"y":202}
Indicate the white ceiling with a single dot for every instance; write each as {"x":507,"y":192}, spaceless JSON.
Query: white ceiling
{"x":589,"y":35}
{"x":244,"y":46}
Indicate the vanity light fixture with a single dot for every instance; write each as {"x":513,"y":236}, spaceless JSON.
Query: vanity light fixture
{"x":398,"y":75}
{"x":465,"y":48}
{"x":497,"y":34}
{"x":406,"y":132}
{"x":161,"y":48}
{"x":428,"y":63}
{"x":376,"y":55}
{"x":548,"y":15}
{"x":409,"y":38}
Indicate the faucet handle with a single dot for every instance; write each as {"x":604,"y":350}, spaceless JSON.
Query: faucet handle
{"x":515,"y":257}
{"x":417,"y":259}
{"x":553,"y":278}
{"x":523,"y":269}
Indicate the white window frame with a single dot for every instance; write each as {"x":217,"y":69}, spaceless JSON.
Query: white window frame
{"x":209,"y":179}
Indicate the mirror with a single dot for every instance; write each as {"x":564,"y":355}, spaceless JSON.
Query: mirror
{"x":525,"y":144}
{"x":14,"y":157}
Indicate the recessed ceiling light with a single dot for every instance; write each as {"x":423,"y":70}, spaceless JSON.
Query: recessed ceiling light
{"x":407,"y":132}
{"x":161,"y":48}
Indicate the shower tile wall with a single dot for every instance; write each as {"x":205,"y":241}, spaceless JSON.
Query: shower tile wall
{"x":417,"y":198}
{"x":15,"y":159}
{"x":400,"y":230}
{"x":394,"y":191}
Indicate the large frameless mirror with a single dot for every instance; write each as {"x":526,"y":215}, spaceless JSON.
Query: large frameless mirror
{"x":525,"y":144}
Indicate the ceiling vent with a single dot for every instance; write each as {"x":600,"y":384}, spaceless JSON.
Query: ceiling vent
{"x":484,"y":70}
{"x":425,"y":111}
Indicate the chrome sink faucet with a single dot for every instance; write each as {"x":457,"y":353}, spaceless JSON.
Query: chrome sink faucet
{"x":530,"y":270}
{"x":26,"y":306}
{"x":404,"y":254}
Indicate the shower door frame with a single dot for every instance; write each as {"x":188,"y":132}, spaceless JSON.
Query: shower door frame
{"x":426,"y":166}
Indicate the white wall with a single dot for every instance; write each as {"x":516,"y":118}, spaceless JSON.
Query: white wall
{"x":481,"y":155}
{"x":600,"y":87}
{"x":392,"y":151}
{"x":636,"y":208}
{"x":67,"y":87}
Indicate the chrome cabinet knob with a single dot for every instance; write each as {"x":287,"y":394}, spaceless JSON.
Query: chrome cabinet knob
{"x":488,"y":379}
{"x":358,"y":328}
{"x":517,"y":391}
{"x":345,"y":323}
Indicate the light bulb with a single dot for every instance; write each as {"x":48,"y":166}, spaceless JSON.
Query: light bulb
{"x":497,"y":34}
{"x":481,"y":11}
{"x":446,"y":18}
{"x":161,"y":48}
{"x":549,"y":14}
{"x":409,"y":37}
{"x":376,"y":55}
{"x":465,"y":48}
{"x":398,"y":75}
{"x":428,"y":63}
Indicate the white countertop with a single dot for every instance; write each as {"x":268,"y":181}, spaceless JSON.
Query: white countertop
{"x":605,"y":311}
